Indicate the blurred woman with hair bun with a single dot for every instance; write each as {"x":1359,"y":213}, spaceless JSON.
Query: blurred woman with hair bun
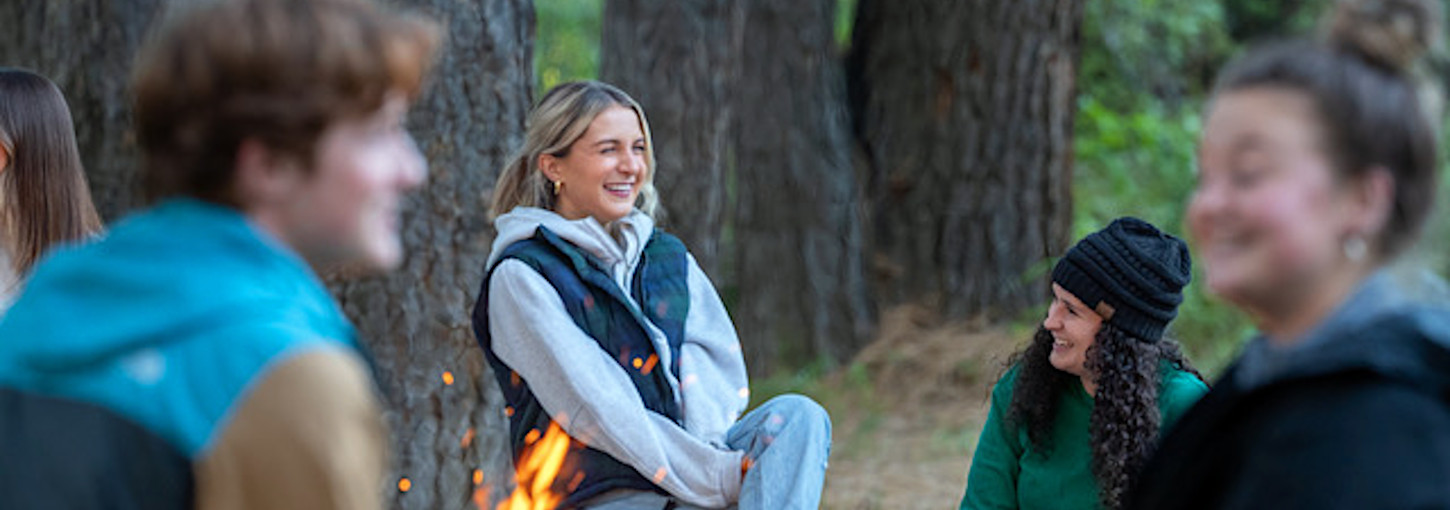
{"x":1317,"y":168}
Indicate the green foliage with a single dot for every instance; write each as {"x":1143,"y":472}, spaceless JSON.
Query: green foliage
{"x":845,"y":21}
{"x":1252,"y":20}
{"x":1147,"y":67}
{"x":568,"y":41}
{"x":1142,"y":52}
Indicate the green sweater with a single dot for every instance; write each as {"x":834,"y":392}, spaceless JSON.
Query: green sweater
{"x":1008,"y":472}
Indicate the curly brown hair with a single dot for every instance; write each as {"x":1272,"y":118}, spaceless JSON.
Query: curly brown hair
{"x":1125,"y":417}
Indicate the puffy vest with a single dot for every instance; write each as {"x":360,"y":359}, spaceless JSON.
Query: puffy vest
{"x":599,"y":307}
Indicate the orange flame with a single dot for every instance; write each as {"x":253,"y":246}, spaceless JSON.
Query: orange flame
{"x":536,"y":470}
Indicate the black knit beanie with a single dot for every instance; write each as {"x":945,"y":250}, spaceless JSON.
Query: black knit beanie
{"x":1130,"y":273}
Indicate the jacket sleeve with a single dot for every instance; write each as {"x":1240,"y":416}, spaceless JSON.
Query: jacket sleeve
{"x":713,"y":382}
{"x":992,"y":479}
{"x":1336,"y":445}
{"x":308,"y":436}
{"x":591,"y":396}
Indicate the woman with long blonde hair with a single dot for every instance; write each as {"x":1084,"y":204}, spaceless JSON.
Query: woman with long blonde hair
{"x":602,"y":325}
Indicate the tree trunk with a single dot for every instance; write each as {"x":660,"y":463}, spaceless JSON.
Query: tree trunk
{"x":965,"y":109}
{"x":443,"y":406}
{"x":803,"y":292}
{"x":677,"y":59}
{"x":87,"y":47}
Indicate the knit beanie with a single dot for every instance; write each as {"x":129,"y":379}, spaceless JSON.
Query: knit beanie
{"x":1130,"y":273}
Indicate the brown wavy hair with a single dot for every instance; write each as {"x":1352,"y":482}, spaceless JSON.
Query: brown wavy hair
{"x":44,"y":197}
{"x":279,"y":71}
{"x":1125,"y":419}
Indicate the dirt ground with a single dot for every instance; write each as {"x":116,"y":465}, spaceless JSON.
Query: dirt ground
{"x":907,"y":415}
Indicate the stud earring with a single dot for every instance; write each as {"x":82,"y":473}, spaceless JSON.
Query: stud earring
{"x":1355,"y":248}
{"x":557,"y":185}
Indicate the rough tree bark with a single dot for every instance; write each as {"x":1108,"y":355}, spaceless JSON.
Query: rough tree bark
{"x":676,"y":58}
{"x":802,"y":289}
{"x":416,"y":321}
{"x":87,"y":47}
{"x":965,"y":109}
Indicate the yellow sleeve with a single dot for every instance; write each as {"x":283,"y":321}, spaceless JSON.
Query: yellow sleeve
{"x":308,"y":436}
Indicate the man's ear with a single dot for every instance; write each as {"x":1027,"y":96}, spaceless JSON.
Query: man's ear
{"x":263,"y":175}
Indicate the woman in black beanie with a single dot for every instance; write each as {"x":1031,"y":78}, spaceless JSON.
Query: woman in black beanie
{"x":1079,"y":410}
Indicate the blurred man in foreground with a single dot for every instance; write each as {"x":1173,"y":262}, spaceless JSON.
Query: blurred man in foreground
{"x":192,"y":358}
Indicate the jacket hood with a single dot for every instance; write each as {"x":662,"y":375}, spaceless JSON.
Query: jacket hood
{"x":622,"y":241}
{"x":183,"y":270}
{"x":1396,"y":324}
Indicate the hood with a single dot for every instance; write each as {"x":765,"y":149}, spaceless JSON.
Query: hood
{"x":180,"y":271}
{"x":622,"y":241}
{"x":1396,"y":324}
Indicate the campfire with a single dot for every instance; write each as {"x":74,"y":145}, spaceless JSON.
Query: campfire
{"x":535,"y":472}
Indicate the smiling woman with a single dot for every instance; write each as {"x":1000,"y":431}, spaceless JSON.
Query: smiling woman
{"x":597,"y":323}
{"x":601,"y":173}
{"x":1078,"y":411}
{"x":1318,"y":167}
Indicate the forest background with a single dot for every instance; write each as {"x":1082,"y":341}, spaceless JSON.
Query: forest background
{"x":877,"y":187}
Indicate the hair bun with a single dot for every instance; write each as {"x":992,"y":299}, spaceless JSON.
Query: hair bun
{"x":1389,"y":33}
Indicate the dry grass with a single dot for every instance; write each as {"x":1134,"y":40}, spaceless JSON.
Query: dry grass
{"x":908,"y":412}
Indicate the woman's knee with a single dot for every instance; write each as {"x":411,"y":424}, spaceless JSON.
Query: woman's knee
{"x":799,"y":410}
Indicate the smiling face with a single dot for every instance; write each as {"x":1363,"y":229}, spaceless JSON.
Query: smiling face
{"x":346,"y":209}
{"x":1269,"y":215}
{"x":1074,"y":328}
{"x":601,"y":174}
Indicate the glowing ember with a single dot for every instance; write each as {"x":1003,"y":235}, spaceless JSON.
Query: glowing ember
{"x":467,"y":438}
{"x":477,"y":476}
{"x":448,"y":378}
{"x":649,"y":364}
{"x":404,"y":484}
{"x":508,"y":411}
{"x":638,"y":363}
{"x":660,"y":475}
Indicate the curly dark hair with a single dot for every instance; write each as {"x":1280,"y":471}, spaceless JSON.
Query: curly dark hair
{"x":1125,"y":416}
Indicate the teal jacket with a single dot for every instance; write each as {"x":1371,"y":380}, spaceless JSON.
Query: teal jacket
{"x":1008,"y":472}
{"x":167,"y":320}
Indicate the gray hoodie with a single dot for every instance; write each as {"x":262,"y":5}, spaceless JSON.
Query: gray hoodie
{"x":590,"y":395}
